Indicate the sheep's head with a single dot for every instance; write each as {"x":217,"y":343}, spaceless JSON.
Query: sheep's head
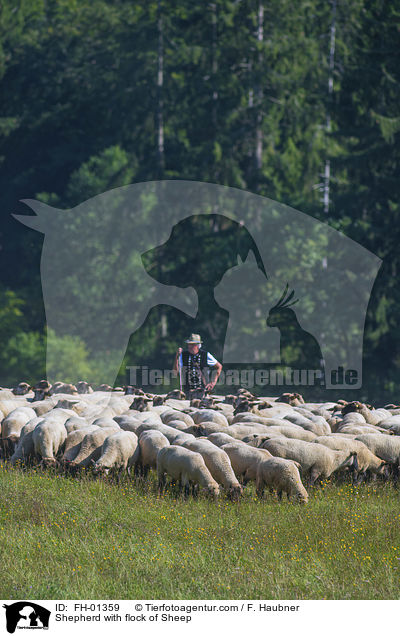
{"x":352,"y":407}
{"x":84,"y":387}
{"x":176,"y":394}
{"x":100,"y":470}
{"x":235,"y":492}
{"x":302,"y":497}
{"x":22,"y":389}
{"x":213,"y":490}
{"x":280,"y":313}
{"x":49,"y":462}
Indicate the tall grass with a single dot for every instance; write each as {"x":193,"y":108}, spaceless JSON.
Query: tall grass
{"x":65,"y":538}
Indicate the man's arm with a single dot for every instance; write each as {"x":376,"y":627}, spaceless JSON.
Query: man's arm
{"x":217,"y":368}
{"x":176,"y":361}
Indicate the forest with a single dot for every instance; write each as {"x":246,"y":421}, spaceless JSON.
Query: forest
{"x":295,"y":102}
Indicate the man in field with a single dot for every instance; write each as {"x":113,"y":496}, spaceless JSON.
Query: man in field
{"x":195,"y":364}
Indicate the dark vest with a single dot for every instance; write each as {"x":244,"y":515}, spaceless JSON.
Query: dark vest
{"x":192,"y":365}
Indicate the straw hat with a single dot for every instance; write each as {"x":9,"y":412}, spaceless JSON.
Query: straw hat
{"x":194,"y":339}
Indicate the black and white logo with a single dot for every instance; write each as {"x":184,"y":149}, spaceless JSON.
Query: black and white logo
{"x":26,"y":615}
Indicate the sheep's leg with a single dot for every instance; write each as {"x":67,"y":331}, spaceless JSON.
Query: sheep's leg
{"x":161,"y":483}
{"x":396,"y":472}
{"x":145,"y":471}
{"x":186,"y":488}
{"x":280,"y":495}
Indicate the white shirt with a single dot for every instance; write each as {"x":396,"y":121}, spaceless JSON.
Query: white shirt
{"x":211,"y":361}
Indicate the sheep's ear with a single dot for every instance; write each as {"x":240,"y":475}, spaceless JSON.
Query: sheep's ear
{"x":46,"y":215}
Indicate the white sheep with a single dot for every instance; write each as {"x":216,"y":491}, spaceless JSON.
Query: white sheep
{"x":90,"y":449}
{"x":106,"y":422}
{"x":25,"y":447}
{"x":315,"y":424}
{"x":174,"y":415}
{"x":48,"y":440}
{"x":218,"y":463}
{"x":316,"y":460}
{"x":150,"y":442}
{"x":186,"y":467}
{"x":209,"y":415}
{"x":219,"y":439}
{"x":73,"y":442}
{"x":365,"y":460}
{"x":119,"y":452}
{"x":245,"y":459}
{"x":75,"y":423}
{"x":8,"y":405}
{"x":180,"y":438}
{"x":387,"y":447}
{"x":128,"y":423}
{"x":281,"y":475}
{"x":12,"y":425}
{"x":292,"y":431}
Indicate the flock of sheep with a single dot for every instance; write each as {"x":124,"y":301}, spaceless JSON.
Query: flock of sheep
{"x":216,"y":445}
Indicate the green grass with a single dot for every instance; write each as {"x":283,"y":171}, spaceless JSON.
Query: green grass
{"x":65,"y":538}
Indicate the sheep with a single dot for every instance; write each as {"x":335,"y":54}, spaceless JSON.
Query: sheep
{"x":219,"y":465}
{"x":150,"y":442}
{"x":75,"y":423}
{"x":172,"y":414}
{"x":384,"y":446}
{"x":169,"y":432}
{"x":128,"y":423}
{"x":391,"y":424}
{"x":41,"y":408}
{"x":73,"y":443}
{"x":90,"y":448}
{"x":219,"y":439}
{"x":48,"y":440}
{"x":315,"y":424}
{"x":25,"y":447}
{"x":274,"y":412}
{"x":22,"y":389}
{"x":371,"y":416}
{"x":179,"y":425}
{"x":353,"y":429}
{"x":209,"y":415}
{"x":106,"y":422}
{"x":119,"y":451}
{"x":62,"y":387}
{"x":281,"y":475}
{"x":83,"y":387}
{"x":366,"y":461}
{"x":180,"y":438}
{"x":256,"y":441}
{"x":11,"y":427}
{"x":186,"y":467}
{"x":244,"y":460}
{"x":292,"y":431}
{"x":316,"y":460}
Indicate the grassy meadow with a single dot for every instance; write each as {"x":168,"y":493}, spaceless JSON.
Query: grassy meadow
{"x":80,"y":538}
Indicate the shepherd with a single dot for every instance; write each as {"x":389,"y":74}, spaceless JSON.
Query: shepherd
{"x":194,"y":366}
